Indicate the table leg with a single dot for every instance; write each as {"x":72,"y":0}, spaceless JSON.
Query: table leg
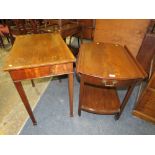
{"x":81,"y":94}
{"x":125,"y":100}
{"x":22,"y":94}
{"x":70,"y":88}
{"x":33,"y":84}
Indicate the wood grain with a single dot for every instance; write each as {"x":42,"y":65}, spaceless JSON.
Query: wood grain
{"x":147,"y":51}
{"x":38,"y":50}
{"x":98,"y":100}
{"x":107,"y":61}
{"x":70,"y":89}
{"x":36,"y":56}
{"x":103,"y":67}
{"x":128,"y":32}
{"x":43,"y":71}
{"x":145,"y":107}
{"x":23,"y":96}
{"x":113,"y":82}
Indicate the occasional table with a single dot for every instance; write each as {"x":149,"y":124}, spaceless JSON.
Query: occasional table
{"x":104,"y":67}
{"x":37,"y":56}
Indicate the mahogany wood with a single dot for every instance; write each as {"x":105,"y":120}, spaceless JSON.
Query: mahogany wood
{"x":145,"y":107}
{"x":22,"y":94}
{"x":147,"y":49}
{"x":103,"y":82}
{"x":42,"y":71}
{"x":105,"y":67}
{"x":36,"y":50}
{"x":70,"y":88}
{"x":38,"y":56}
{"x":108,"y":61}
{"x":98,"y":100}
{"x":128,"y":32}
{"x":125,"y":100}
{"x":81,"y":95}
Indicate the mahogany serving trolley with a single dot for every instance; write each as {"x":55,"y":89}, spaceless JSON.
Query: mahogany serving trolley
{"x":104,"y":67}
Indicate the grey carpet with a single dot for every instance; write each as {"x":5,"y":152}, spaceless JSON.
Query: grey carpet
{"x":52,"y":114}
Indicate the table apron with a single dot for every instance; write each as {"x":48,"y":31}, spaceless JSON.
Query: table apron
{"x":109,"y":82}
{"x":43,"y":71}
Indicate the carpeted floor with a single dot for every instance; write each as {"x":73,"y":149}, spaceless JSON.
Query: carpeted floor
{"x":12,"y":111}
{"x":13,"y":114}
{"x":52,"y":114}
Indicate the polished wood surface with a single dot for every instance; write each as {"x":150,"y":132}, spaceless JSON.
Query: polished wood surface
{"x":42,"y":71}
{"x":145,"y":107}
{"x":38,"y":50}
{"x":98,"y":100}
{"x":108,"y":82}
{"x":128,"y":32}
{"x":108,"y":61}
{"x":38,"y":56}
{"x":147,"y":50}
{"x":103,"y":67}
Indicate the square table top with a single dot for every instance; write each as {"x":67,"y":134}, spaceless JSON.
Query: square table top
{"x":110,"y":61}
{"x":37,"y":50}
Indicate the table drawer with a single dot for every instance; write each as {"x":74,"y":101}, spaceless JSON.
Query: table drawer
{"x":43,"y":71}
{"x":107,"y":82}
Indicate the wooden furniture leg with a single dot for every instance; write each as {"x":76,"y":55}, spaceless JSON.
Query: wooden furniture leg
{"x":70,"y":88}
{"x":125,"y":100}
{"x":78,"y":42}
{"x":33,"y":84}
{"x":139,"y":91}
{"x":22,"y":94}
{"x":70,"y":40}
{"x":80,"y":96}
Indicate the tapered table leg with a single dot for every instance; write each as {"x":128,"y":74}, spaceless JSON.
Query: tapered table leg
{"x":70,"y":88}
{"x":22,"y":94}
{"x":80,"y":95}
{"x":125,"y":100}
{"x":33,"y":84}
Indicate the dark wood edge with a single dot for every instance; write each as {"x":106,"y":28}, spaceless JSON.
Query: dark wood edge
{"x":43,"y":76}
{"x":128,"y":52}
{"x":36,"y":66}
{"x":123,"y":79}
{"x":88,"y":27}
{"x":141,"y":96}
{"x":136,"y":62}
{"x":140,"y":115}
{"x":150,"y":26}
{"x":78,"y":60}
{"x":99,"y":113}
